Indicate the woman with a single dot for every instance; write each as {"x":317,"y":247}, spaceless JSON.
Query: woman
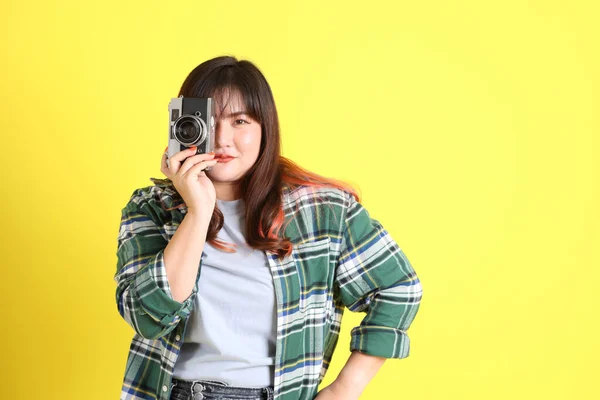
{"x":294,"y":250}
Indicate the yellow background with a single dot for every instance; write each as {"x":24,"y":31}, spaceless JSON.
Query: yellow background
{"x":470,"y":127}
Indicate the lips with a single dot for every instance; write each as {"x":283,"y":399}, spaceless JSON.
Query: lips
{"x":223,"y":158}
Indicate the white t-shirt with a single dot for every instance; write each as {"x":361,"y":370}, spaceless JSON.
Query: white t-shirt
{"x":231,"y":333}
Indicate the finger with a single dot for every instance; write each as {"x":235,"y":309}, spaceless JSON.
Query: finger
{"x":181,"y":155}
{"x":164,"y":161}
{"x":199,"y":168}
{"x":191,"y":161}
{"x":176,"y":160}
{"x":164,"y":166}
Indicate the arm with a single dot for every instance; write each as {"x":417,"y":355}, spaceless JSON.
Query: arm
{"x":156,"y":279}
{"x":353,"y":378}
{"x":374,"y":276}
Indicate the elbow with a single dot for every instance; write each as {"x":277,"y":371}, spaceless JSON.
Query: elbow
{"x":145,"y":301}
{"x":147,"y":326}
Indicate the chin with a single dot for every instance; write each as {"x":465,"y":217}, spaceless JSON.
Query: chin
{"x":222,"y":177}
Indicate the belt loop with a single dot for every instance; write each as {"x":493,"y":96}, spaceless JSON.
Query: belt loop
{"x":269,"y":392}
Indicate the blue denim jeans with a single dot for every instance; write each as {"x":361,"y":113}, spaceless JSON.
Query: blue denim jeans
{"x":216,"y":390}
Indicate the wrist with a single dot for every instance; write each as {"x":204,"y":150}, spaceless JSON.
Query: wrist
{"x":203,"y":218}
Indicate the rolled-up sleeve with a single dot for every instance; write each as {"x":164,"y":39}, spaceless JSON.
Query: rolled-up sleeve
{"x":143,"y":295}
{"x":374,"y":276}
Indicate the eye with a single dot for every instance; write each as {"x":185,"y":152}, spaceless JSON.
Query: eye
{"x":241,"y":121}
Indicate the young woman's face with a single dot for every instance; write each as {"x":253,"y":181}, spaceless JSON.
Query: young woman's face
{"x":236,"y":135}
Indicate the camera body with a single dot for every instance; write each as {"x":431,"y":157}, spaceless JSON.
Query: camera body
{"x":191,"y":123}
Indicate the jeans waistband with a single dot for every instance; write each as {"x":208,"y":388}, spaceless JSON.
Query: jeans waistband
{"x":198,"y":388}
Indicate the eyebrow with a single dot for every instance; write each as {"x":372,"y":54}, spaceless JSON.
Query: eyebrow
{"x":235,"y":114}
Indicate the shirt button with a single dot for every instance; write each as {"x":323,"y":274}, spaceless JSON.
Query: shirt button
{"x":165,"y":388}
{"x":177,"y":338}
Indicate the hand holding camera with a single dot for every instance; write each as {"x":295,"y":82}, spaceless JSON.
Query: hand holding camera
{"x":190,"y":152}
{"x":192,"y":184}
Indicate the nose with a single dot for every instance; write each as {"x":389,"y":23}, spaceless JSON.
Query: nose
{"x":223,"y":135}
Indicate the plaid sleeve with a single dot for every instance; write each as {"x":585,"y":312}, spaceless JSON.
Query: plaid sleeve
{"x":374,"y":276}
{"x":143,"y":295}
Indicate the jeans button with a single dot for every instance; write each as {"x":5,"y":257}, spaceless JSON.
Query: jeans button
{"x":197,"y":395}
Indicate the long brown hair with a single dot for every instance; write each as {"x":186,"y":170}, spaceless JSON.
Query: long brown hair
{"x":261,"y":187}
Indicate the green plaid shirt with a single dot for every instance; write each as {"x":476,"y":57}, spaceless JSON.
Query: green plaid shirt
{"x":341,"y":258}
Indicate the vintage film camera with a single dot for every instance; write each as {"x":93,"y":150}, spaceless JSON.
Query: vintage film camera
{"x":191,"y":123}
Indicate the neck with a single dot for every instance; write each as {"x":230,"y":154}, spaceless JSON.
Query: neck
{"x":227,"y":191}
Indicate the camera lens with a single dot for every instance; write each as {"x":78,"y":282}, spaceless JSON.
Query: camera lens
{"x":189,"y":129}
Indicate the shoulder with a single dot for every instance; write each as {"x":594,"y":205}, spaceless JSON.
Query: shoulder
{"x":157,"y":199}
{"x":316,"y":196}
{"x":318,"y":202}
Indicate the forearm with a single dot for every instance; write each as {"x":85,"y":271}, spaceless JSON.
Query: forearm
{"x":357,"y":373}
{"x":182,"y":254}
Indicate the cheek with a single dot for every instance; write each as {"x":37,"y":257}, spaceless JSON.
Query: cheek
{"x":249,"y":142}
